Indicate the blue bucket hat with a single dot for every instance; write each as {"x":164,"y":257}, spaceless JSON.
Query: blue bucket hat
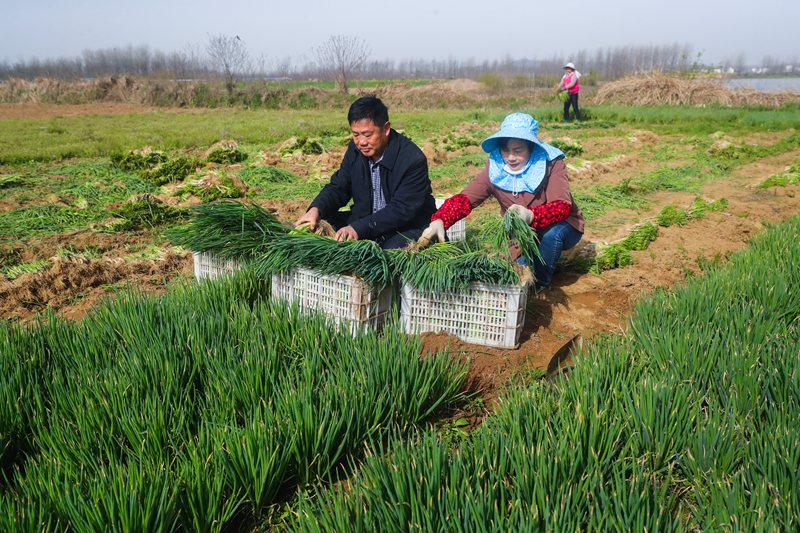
{"x":515,"y":126}
{"x":519,"y":126}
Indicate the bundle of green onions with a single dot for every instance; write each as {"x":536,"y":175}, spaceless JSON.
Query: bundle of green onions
{"x":231,"y":230}
{"x":641,"y":236}
{"x":300,"y":247}
{"x":234,"y":230}
{"x":497,"y":235}
{"x":517,"y":231}
{"x":448,"y":266}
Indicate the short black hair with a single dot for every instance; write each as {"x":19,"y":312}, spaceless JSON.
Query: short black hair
{"x":370,"y":107}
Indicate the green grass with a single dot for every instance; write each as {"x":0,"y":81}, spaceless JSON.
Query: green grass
{"x":16,"y":271}
{"x":702,"y":120}
{"x":288,"y":191}
{"x":261,"y":175}
{"x":10,"y":180}
{"x":450,"y":177}
{"x":77,"y":194}
{"x":791,"y":176}
{"x":597,"y":200}
{"x":43,"y":220}
{"x":26,"y":140}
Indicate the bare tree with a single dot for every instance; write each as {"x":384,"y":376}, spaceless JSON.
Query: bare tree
{"x":229,"y":56}
{"x":342,"y":55}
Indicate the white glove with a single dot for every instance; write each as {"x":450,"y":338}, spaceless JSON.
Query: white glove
{"x":523,"y":212}
{"x":435,"y":230}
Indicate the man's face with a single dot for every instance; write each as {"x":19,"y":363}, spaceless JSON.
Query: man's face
{"x":370,"y":139}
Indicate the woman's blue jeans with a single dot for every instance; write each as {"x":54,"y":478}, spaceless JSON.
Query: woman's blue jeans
{"x":552,"y":241}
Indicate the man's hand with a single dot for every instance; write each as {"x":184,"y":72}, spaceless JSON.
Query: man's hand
{"x":310,"y":219}
{"x":523,"y":212}
{"x":346,"y":233}
{"x":435,"y":230}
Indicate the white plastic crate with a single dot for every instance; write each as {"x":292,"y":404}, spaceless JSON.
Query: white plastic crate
{"x":209,"y":266}
{"x":456,"y":232}
{"x":349,"y":301}
{"x":491,"y":315}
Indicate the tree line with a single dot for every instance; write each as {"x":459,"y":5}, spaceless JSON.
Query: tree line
{"x":342,"y":58}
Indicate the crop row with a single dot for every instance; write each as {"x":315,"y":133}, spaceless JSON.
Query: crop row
{"x":199,"y":409}
{"x":687,"y":421}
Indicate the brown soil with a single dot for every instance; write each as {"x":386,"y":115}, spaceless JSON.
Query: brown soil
{"x":73,"y":286}
{"x":287,"y":210}
{"x":108,"y":245}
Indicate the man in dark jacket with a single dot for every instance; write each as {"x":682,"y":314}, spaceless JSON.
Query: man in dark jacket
{"x":386,"y":176}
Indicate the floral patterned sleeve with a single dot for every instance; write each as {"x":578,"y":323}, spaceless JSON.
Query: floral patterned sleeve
{"x":453,"y":209}
{"x":550,"y":213}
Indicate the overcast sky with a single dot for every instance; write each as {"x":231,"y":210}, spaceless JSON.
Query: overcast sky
{"x":405,"y":29}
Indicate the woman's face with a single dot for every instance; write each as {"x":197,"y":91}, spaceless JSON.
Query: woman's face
{"x":516,"y":153}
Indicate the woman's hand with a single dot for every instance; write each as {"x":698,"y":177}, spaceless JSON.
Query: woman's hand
{"x":523,"y":212}
{"x":435,"y":230}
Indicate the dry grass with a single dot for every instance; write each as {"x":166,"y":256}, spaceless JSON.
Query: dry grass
{"x":70,"y":277}
{"x":430,"y":95}
{"x":49,"y":90}
{"x":644,"y":89}
{"x":662,"y":89}
{"x":124,"y":89}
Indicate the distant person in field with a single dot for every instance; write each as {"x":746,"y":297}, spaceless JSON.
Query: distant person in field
{"x":570,"y":84}
{"x":385,"y":175}
{"x":527,"y":176}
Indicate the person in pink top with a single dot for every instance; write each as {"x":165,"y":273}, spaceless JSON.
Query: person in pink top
{"x":570,"y":83}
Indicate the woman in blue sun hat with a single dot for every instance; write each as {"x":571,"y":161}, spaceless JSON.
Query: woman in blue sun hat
{"x":529,"y":177}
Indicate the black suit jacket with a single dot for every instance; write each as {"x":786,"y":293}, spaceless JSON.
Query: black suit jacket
{"x":406,"y":188}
